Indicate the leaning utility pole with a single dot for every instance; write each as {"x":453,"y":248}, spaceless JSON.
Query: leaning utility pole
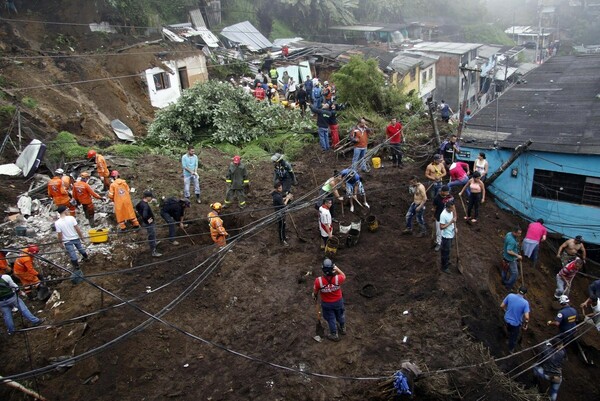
{"x":518,"y":150}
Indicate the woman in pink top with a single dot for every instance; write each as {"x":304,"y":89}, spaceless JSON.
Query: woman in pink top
{"x":459,"y":174}
{"x":536,"y":233}
{"x":476,"y":196}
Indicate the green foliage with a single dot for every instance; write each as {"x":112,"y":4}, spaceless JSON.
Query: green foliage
{"x":486,"y":33}
{"x":127,"y":150}
{"x":219,"y":112}
{"x":362,"y":85}
{"x":65,"y":147}
{"x":7,"y":110}
{"x":236,"y":68}
{"x":280,"y":30}
{"x":29,"y":102}
{"x":316,"y":15}
{"x":140,"y":12}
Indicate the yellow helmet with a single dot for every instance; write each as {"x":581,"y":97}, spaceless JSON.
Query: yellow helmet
{"x":216,"y":206}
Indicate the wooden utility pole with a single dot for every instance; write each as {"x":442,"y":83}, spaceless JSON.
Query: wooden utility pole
{"x":518,"y":150}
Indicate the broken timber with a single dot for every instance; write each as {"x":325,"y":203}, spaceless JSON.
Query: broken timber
{"x":518,"y":150}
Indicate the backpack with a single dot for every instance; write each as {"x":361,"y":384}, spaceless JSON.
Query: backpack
{"x":5,"y":289}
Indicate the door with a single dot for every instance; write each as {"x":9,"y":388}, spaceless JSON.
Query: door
{"x":183,"y":78}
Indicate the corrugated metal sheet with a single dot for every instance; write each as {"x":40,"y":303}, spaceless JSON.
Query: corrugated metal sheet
{"x":247,"y":35}
{"x":197,"y":19}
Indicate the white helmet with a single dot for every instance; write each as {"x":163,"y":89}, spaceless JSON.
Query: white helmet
{"x":59,"y":171}
{"x":563,"y":299}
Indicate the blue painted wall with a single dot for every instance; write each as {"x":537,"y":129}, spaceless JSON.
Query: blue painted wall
{"x":570,"y":219}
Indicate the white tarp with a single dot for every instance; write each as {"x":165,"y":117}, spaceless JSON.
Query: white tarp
{"x":28,"y":161}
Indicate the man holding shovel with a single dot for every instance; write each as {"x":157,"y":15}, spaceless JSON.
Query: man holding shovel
{"x":173,"y":210}
{"x":564,"y":278}
{"x":332,"y":302}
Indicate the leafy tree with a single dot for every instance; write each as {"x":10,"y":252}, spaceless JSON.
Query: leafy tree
{"x":219,"y":112}
{"x":317,"y":14}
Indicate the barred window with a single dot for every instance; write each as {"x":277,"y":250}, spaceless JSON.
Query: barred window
{"x":566,"y":187}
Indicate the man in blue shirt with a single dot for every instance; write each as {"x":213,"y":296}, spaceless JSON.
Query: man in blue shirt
{"x":511,"y":255}
{"x":516,"y":316}
{"x":566,"y":320}
{"x":189,"y":162}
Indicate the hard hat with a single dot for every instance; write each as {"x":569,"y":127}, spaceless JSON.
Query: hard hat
{"x":469,"y":111}
{"x":563,"y":299}
{"x":216,"y":206}
{"x":284,"y":103}
{"x":32,"y":248}
{"x":273,"y":91}
{"x":148,"y":194}
{"x":326,"y":83}
{"x":85,"y":174}
{"x":59,"y":171}
{"x":276,"y":157}
{"x":236,"y":159}
{"x":114,"y":173}
{"x":327,"y":266}
{"x":270,"y":85}
{"x":91,"y":153}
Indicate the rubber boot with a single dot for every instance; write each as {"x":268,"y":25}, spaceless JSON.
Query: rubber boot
{"x":423,"y":231}
{"x":91,"y":221}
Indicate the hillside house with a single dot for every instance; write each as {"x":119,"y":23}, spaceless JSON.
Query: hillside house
{"x":166,"y":83}
{"x":414,"y":72}
{"x":558,"y":178}
{"x":449,"y":81}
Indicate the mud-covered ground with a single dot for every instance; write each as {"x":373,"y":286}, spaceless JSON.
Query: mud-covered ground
{"x":244,"y":329}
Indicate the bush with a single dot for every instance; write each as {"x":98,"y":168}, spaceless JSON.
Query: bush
{"x":7,"y":110}
{"x":65,"y":148}
{"x":127,"y":150}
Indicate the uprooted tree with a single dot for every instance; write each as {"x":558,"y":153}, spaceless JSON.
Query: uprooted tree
{"x":219,"y":112}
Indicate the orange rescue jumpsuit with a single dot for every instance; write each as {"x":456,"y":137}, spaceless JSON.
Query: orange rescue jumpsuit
{"x":4,"y":269}
{"x":24,"y":271}
{"x":102,"y":170}
{"x":119,"y":194}
{"x":83,"y":193}
{"x":217,"y":231}
{"x":59,"y":194}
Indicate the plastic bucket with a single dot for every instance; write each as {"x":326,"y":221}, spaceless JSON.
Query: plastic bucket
{"x":332,"y":245}
{"x":21,"y":231}
{"x":376,"y":162}
{"x":372,"y":223}
{"x":98,"y":236}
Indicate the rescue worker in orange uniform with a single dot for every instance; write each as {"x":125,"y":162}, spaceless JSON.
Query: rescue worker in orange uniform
{"x":23,"y":269}
{"x":217,"y":231}
{"x":58,"y":191}
{"x":101,"y":167}
{"x":4,"y":267}
{"x":83,"y":193}
{"x":119,"y":194}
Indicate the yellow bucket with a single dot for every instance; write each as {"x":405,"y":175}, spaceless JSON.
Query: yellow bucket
{"x":98,"y":236}
{"x":376,"y":162}
{"x":372,"y":223}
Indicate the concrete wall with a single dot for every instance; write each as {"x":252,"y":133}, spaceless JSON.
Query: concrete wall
{"x":163,"y":97}
{"x":428,"y":86}
{"x":196,"y":68}
{"x":514,"y":193}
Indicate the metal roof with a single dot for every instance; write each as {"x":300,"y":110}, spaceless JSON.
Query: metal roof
{"x":185,"y":31}
{"x":558,"y":109}
{"x":247,"y":35}
{"x":197,"y":19}
{"x":405,"y":61}
{"x":446,"y":47}
{"x":370,"y":28}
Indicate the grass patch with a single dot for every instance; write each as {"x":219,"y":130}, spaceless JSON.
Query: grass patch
{"x":280,"y":30}
{"x":65,"y":148}
{"x":7,"y":110}
{"x":29,"y":102}
{"x":128,"y":150}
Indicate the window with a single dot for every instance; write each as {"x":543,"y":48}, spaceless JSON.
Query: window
{"x":413,"y":74}
{"x":424,"y":76}
{"x":161,"y":81}
{"x":431,"y":73}
{"x":565,"y":187}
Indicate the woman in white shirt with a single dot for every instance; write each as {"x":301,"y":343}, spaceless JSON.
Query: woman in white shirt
{"x":481,"y":165}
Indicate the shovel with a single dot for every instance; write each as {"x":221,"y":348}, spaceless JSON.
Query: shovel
{"x":464,"y":208}
{"x":186,"y":233}
{"x":522,"y":277}
{"x":296,"y":229}
{"x":460,"y":268}
{"x":319,"y":330}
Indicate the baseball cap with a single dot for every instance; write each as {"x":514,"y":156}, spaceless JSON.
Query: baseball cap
{"x":148,"y":194}
{"x":523,"y":290}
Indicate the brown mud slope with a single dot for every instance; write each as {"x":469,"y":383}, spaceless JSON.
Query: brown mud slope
{"x":245,"y":332}
{"x":41,"y":60}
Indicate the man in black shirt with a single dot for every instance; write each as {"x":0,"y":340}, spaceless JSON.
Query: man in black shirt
{"x":172,"y":211}
{"x":449,"y":150}
{"x":302,"y":98}
{"x":145,"y":212}
{"x":550,"y":366}
{"x":279,"y":202}
{"x":439,"y":203}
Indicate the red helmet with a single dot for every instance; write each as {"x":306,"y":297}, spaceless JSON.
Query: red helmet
{"x":236,"y":159}
{"x":114,"y":173}
{"x":91,"y":154}
{"x":33,"y":248}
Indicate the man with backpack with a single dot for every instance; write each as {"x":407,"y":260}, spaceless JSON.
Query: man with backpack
{"x":329,"y":286}
{"x":9,"y":300}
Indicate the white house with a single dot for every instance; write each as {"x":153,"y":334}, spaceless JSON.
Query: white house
{"x":165,"y":84}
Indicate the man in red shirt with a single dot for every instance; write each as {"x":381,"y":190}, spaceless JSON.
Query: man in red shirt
{"x":332,"y":302}
{"x":259,"y":92}
{"x":565,"y":277}
{"x":394,"y":134}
